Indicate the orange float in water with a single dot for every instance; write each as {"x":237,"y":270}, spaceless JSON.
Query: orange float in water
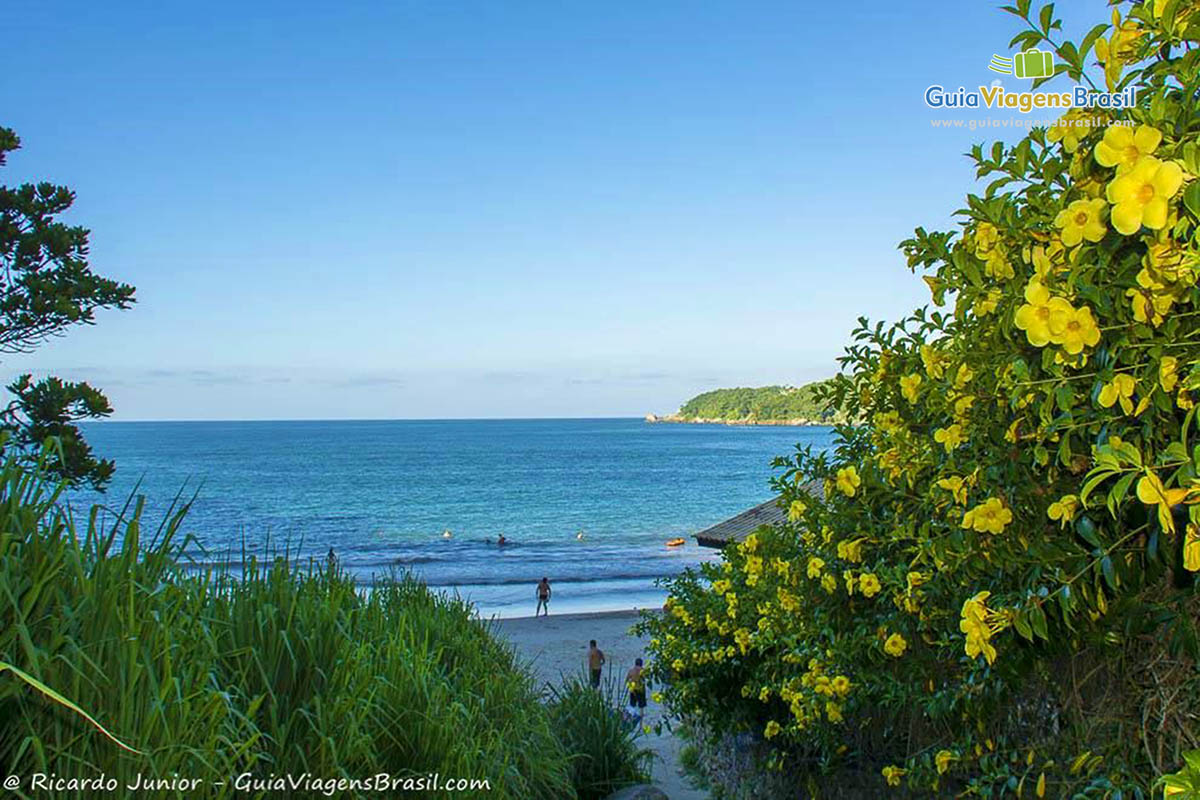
{"x":675,"y":542}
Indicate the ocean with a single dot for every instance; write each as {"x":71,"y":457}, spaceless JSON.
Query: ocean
{"x":381,"y":494}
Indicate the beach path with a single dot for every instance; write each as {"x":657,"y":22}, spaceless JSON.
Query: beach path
{"x":557,"y":645}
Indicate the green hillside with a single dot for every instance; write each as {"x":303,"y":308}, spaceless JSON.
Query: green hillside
{"x":763,"y":403}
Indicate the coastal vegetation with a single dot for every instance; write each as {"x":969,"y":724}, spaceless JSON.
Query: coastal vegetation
{"x":270,"y":669}
{"x":47,"y":288}
{"x":761,"y":405}
{"x":996,"y":593}
{"x":123,"y":662}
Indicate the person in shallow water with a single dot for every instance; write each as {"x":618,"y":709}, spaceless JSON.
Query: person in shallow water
{"x":543,"y":597}
{"x":595,"y":663}
{"x":502,"y":540}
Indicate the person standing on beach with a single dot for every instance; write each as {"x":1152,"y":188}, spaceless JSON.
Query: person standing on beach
{"x":595,"y":663}
{"x":543,"y":597}
{"x":635,"y":679}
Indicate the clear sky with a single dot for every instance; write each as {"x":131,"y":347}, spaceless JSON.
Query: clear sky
{"x":489,"y":209}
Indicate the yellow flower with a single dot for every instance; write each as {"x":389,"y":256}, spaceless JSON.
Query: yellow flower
{"x":893,"y":775}
{"x":989,"y":516}
{"x":987,"y":236}
{"x":895,"y":645}
{"x":1078,"y":329}
{"x":829,"y":583}
{"x":848,"y":576}
{"x":957,"y":488}
{"x":851,"y":550}
{"x":772,"y":729}
{"x":979,"y":623}
{"x":909,"y":387}
{"x":796,"y":510}
{"x":1083,"y":219}
{"x":833,"y":711}
{"x":1191,"y":549}
{"x":935,"y":362}
{"x":721,"y":586}
{"x":815,"y":565}
{"x":1070,"y":128}
{"x":1139,"y":196}
{"x":1040,"y":314}
{"x":915,"y":579}
{"x":868,"y":584}
{"x":1063,"y":509}
{"x":848,"y":481}
{"x":943,"y":759}
{"x":949,"y":437}
{"x":1167,"y":372}
{"x":1122,"y":146}
{"x":986,"y":304}
{"x":841,"y":685}
{"x":963,"y":376}
{"x":1150,"y":490}
{"x":1119,"y":389}
{"x":657,"y":697}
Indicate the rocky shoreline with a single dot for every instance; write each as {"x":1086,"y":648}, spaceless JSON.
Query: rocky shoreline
{"x":676,"y":419}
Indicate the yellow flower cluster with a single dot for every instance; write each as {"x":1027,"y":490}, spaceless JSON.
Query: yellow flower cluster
{"x":1047,"y":319}
{"x":956,"y":486}
{"x":1063,"y":509}
{"x":990,"y":516}
{"x":851,"y":549}
{"x":1167,"y":274}
{"x":1072,"y":128}
{"x":990,"y":250}
{"x":980,"y":623}
{"x":935,"y":365}
{"x":950,"y":437}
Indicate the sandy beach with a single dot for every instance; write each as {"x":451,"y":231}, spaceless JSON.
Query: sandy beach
{"x":557,"y":645}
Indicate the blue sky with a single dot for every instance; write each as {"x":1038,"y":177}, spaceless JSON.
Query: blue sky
{"x":488,"y":209}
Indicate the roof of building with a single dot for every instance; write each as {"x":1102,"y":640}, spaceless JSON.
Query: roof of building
{"x":737,"y":528}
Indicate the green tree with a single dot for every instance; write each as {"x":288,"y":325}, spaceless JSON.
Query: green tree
{"x":46,"y":287}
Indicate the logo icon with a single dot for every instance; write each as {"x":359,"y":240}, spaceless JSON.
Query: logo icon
{"x":1029,"y":64}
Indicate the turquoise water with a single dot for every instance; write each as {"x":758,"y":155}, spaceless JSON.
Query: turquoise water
{"x":380,"y":493}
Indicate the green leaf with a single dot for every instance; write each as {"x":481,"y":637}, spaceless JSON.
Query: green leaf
{"x":1087,"y":531}
{"x":64,"y":702}
{"x":1191,"y":198}
{"x":1047,"y":16}
{"x":1090,"y":39}
{"x":1037,"y":618}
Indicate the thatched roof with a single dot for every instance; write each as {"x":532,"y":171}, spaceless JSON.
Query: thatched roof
{"x":735,"y":529}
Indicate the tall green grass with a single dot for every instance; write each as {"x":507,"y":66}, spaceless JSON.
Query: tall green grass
{"x":268,"y":670}
{"x":605,"y":753}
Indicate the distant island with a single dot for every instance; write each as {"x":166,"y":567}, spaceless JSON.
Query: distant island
{"x":764,"y":405}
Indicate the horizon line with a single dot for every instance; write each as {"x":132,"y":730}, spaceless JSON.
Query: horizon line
{"x":357,"y":419}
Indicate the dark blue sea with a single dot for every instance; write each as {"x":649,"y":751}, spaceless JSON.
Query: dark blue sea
{"x":381,"y":494}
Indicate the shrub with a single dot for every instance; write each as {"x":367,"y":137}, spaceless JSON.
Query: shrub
{"x":271,"y":671}
{"x":995,"y":591}
{"x":605,"y":755}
